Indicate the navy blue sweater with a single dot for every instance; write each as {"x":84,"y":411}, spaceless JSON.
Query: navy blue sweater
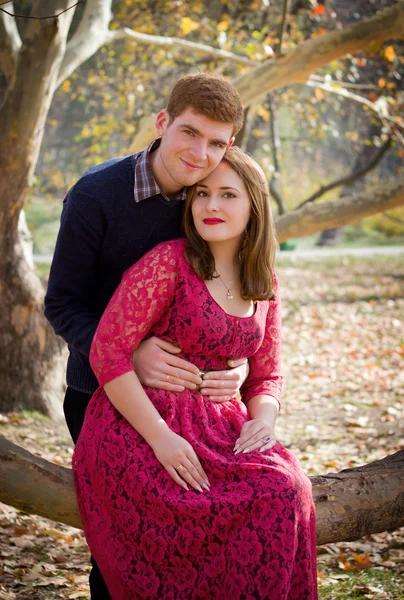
{"x":103,"y":232}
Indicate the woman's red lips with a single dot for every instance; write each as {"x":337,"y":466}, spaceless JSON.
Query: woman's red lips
{"x":212,"y":221}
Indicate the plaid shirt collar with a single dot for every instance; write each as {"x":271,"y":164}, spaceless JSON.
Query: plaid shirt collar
{"x":145,"y":184}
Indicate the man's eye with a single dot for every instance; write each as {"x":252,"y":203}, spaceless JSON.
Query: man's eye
{"x":191,"y":133}
{"x":217,"y":145}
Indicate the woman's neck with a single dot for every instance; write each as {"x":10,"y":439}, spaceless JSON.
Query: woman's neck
{"x":226,"y":257}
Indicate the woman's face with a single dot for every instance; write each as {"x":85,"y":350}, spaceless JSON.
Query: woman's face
{"x":221,"y":207}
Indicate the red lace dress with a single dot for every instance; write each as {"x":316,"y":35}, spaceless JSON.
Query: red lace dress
{"x":252,"y":536}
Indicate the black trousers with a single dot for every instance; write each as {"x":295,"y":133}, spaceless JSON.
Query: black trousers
{"x":74,"y":406}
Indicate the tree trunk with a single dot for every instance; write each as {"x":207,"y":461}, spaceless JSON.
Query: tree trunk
{"x":30,"y":359}
{"x":349,"y":504}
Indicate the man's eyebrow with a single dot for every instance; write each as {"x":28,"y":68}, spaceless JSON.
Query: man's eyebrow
{"x":197,"y":132}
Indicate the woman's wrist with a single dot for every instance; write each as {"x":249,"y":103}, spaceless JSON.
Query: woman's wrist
{"x":158,"y":430}
{"x":264,"y":408}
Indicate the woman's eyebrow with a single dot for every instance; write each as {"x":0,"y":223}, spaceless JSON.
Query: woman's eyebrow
{"x":223,"y":187}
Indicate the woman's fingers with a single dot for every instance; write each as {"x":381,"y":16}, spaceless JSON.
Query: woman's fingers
{"x":254,"y":435}
{"x":188,"y":470}
{"x":268,"y":446}
{"x":260,"y":442}
{"x":193,"y":473}
{"x":171,"y":471}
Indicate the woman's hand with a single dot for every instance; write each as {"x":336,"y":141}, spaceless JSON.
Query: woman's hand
{"x":180,"y":460}
{"x":256,"y":434}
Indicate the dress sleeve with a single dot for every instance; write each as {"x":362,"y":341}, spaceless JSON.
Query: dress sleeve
{"x":265,"y":365}
{"x":144,"y":294}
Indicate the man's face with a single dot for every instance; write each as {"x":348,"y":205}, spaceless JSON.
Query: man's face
{"x":192,"y":145}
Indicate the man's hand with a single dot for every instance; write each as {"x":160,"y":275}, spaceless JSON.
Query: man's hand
{"x":223,"y":385}
{"x":157,"y":366}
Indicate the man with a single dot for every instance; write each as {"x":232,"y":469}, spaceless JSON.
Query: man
{"x":116,"y":213}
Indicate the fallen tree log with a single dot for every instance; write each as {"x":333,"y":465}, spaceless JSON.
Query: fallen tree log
{"x":349,"y":504}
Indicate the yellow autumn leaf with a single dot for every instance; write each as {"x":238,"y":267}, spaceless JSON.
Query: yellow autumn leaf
{"x":319,"y":94}
{"x":382,"y":82}
{"x":223,"y":26}
{"x":66,"y":85}
{"x":263,"y":113}
{"x":389,"y":53}
{"x":187,"y":25}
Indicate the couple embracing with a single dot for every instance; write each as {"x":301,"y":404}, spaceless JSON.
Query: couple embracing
{"x":163,"y":286}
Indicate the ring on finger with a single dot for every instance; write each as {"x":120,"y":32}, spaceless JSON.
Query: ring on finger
{"x":167,"y":378}
{"x":179,"y":468}
{"x":266,"y":439}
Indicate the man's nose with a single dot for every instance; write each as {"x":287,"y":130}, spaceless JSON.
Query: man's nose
{"x":199,"y":150}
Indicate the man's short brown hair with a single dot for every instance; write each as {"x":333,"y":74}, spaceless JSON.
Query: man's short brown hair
{"x":209,"y":95}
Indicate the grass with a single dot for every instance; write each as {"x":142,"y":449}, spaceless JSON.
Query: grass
{"x":371,"y":583}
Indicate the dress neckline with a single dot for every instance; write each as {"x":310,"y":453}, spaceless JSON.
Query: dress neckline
{"x":257,"y":303}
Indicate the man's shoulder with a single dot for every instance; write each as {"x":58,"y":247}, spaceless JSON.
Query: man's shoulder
{"x":121,"y":167}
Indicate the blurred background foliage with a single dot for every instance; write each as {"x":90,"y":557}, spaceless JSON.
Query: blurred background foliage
{"x":319,"y":136}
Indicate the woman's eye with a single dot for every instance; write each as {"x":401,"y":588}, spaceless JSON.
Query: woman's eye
{"x":201,"y":193}
{"x":229,"y":195}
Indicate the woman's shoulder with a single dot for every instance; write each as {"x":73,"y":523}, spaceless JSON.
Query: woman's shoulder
{"x":174,"y":248}
{"x":170,"y":252}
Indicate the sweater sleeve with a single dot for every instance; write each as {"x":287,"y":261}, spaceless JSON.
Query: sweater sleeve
{"x":265,"y":365}
{"x":73,"y":270}
{"x":144,"y":294}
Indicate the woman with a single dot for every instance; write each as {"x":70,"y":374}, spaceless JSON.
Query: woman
{"x":180,"y":497}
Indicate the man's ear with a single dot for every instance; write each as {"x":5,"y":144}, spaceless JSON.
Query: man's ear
{"x":162,"y":121}
{"x":229,"y":145}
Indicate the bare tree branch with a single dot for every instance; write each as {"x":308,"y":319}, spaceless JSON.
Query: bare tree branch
{"x":53,"y":16}
{"x":10,"y":44}
{"x":348,"y":178}
{"x":282,"y":28}
{"x":298,"y":64}
{"x":313,"y":218}
{"x":379,"y":107}
{"x":92,"y":33}
{"x":327,"y":79}
{"x":161,"y":41}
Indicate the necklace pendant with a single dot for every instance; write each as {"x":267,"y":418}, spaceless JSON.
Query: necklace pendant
{"x":229,"y":295}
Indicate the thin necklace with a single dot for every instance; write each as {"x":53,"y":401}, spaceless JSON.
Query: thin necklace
{"x":228,"y":289}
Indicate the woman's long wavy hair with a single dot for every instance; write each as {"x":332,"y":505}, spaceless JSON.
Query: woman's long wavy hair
{"x":258,"y":247}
